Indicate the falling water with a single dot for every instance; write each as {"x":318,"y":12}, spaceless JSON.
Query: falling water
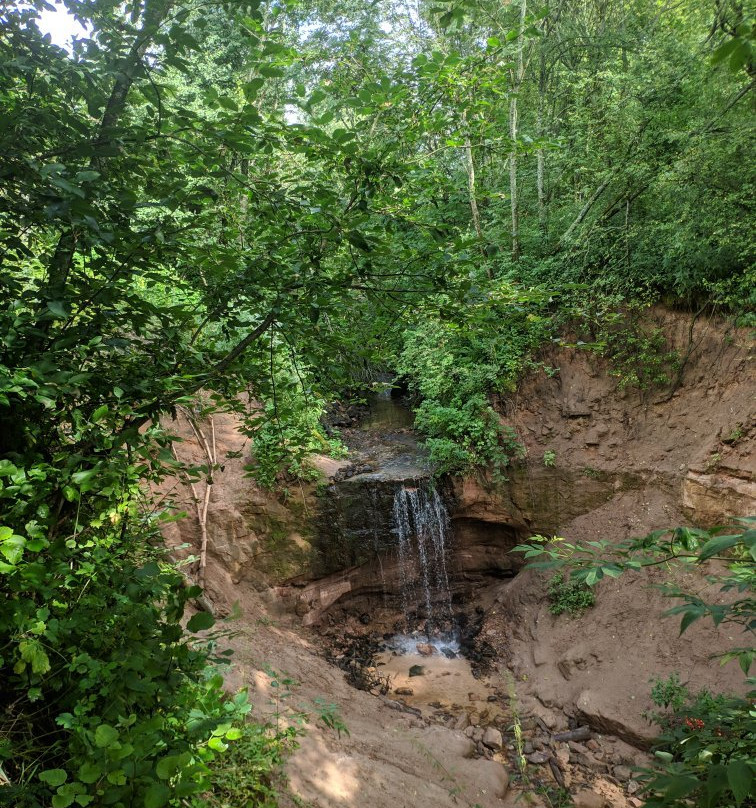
{"x":421,"y":524}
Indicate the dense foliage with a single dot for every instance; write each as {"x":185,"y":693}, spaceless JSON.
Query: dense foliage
{"x":267,"y":201}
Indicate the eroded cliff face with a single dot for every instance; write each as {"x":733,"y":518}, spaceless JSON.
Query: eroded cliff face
{"x":607,"y":464}
{"x":589,"y":441}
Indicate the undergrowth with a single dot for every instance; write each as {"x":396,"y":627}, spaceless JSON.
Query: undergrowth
{"x":572,"y":597}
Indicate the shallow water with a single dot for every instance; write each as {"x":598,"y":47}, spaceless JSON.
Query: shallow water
{"x":445,"y":686}
{"x":386,"y":413}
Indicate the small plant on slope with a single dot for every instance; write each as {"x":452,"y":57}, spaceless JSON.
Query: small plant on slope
{"x":573,"y":597}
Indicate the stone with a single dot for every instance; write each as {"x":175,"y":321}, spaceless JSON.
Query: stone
{"x":469,"y":731}
{"x":588,"y":799}
{"x":492,"y":738}
{"x":538,"y":758}
{"x":562,"y":753}
{"x":417,"y":670}
{"x":622,"y":773}
{"x":601,"y":712}
{"x":425,"y":649}
{"x":404,"y":691}
{"x":632,"y":786}
{"x":577,"y":747}
{"x":477,"y":735}
{"x":489,"y":777}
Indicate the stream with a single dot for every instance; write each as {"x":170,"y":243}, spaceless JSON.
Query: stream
{"x":391,"y":518}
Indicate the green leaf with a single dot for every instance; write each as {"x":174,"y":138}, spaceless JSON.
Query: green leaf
{"x":105,"y":736}
{"x":62,"y":800}
{"x":167,"y":766}
{"x":32,"y":652}
{"x":217,"y":744}
{"x":157,"y":795}
{"x":58,"y":309}
{"x":82,"y":478}
{"x":718,"y":545}
{"x":200,"y":621}
{"x":87,"y":176}
{"x":90,"y":772}
{"x":99,"y":413}
{"x":689,"y":618}
{"x":53,"y":777}
{"x":740,"y":777}
{"x":356,"y":238}
{"x":715,"y":784}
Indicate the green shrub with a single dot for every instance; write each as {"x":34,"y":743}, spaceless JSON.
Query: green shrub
{"x":573,"y":597}
{"x":249,"y":774}
{"x":707,"y":747}
{"x":453,"y":364}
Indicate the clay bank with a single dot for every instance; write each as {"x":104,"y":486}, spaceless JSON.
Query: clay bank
{"x":397,"y":597}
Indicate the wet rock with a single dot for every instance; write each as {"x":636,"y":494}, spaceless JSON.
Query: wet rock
{"x":448,"y":653}
{"x":425,"y":649}
{"x":493,"y":739}
{"x":404,"y":691}
{"x":365,"y":619}
{"x":417,"y":670}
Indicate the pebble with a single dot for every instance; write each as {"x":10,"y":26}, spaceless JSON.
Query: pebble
{"x":493,"y":739}
{"x":538,"y":757}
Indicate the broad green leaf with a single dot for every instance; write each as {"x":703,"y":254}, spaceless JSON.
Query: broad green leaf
{"x":168,"y":766}
{"x":34,"y":654}
{"x":53,"y":777}
{"x":740,"y":777}
{"x":718,"y":545}
{"x":58,"y":309}
{"x":100,"y":413}
{"x":105,"y":736}
{"x":200,"y":621}
{"x":157,"y":795}
{"x":90,"y":772}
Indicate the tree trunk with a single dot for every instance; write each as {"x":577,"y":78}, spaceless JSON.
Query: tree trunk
{"x":513,"y":113}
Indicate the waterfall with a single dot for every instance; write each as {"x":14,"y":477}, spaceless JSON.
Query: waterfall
{"x":421,"y":524}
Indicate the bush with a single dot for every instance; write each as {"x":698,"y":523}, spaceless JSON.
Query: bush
{"x":707,"y":745}
{"x":454,"y":365}
{"x":568,"y":596}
